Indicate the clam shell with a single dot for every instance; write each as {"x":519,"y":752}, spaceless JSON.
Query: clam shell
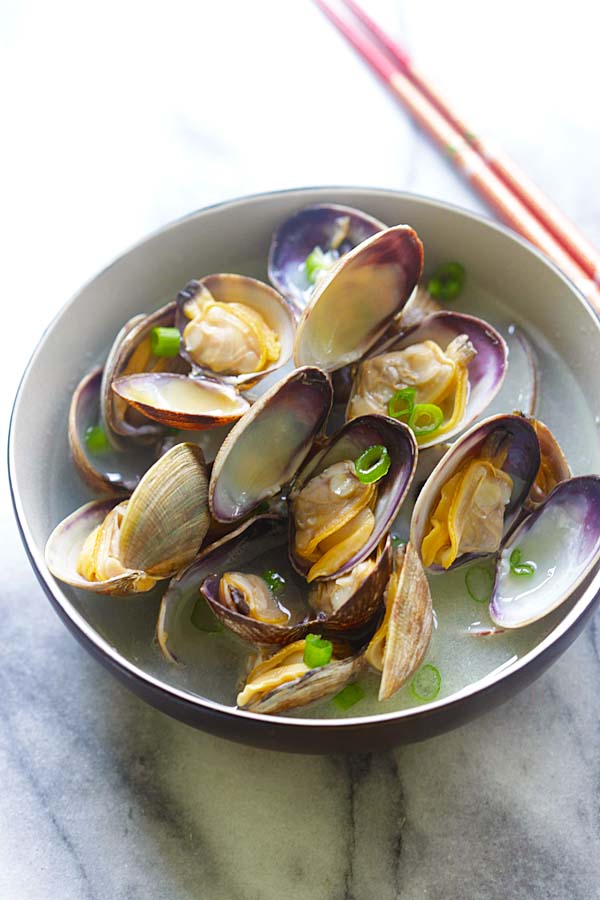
{"x":263,"y":451}
{"x":296,"y":238}
{"x":66,"y":542}
{"x":486,"y":370}
{"x":118,"y":419}
{"x":180,"y":401}
{"x":349,"y":311}
{"x":522,"y":463}
{"x":552,"y":454}
{"x":315,"y":685}
{"x":228,"y":288}
{"x":167,"y":515}
{"x":562,"y":538}
{"x":348,"y":443}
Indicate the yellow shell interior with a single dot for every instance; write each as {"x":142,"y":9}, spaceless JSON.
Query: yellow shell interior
{"x":375,"y":652}
{"x":284,"y":666}
{"x":334,"y":518}
{"x":251,"y":596}
{"x":229,"y":338}
{"x":99,"y":557}
{"x":469,"y":516}
{"x":439,"y":376}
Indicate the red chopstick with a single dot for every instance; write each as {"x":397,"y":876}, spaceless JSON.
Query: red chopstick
{"x":472,"y":165}
{"x":565,"y":231}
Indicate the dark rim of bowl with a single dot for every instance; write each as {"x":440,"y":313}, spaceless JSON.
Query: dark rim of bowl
{"x":91,"y":636}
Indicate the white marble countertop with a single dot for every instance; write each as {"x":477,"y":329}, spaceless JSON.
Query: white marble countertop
{"x":118,"y":118}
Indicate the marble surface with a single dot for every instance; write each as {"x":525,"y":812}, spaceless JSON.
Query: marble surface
{"x":122,"y":116}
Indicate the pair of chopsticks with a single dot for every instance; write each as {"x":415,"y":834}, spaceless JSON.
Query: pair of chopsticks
{"x":506,"y":189}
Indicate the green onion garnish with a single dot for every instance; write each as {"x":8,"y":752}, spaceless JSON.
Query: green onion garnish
{"x":426,"y":684}
{"x":425,"y":418}
{"x":317,"y":652}
{"x":396,"y":540}
{"x":165,"y":341}
{"x":519,"y":568}
{"x":447,"y":281}
{"x":402,"y":403}
{"x":350,"y":695}
{"x":275,"y":581}
{"x":203,"y":617}
{"x":372,"y":464}
{"x":96,"y":440}
{"x":316,"y":262}
{"x":479,"y":582}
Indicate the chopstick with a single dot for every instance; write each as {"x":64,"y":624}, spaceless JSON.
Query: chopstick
{"x":472,"y":165}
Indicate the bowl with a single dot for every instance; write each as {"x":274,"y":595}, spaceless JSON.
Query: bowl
{"x":519,"y":284}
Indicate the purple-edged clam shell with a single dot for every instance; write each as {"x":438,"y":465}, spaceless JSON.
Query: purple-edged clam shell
{"x":297,"y":237}
{"x":230,"y":288}
{"x":264,"y":450}
{"x":347,"y":444}
{"x":521,"y":463}
{"x":486,"y":370}
{"x":115,"y":471}
{"x":351,"y":309}
{"x":561,"y":538}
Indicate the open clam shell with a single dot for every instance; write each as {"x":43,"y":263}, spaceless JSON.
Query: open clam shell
{"x":333,"y":229}
{"x":554,"y":467}
{"x":259,"y":297}
{"x":561,"y":541}
{"x":65,"y":544}
{"x":131,"y":354}
{"x":521,"y":464}
{"x":347,"y":444}
{"x":263,"y":451}
{"x":180,"y":401}
{"x":366,"y":289}
{"x":486,"y":370}
{"x":115,"y":471}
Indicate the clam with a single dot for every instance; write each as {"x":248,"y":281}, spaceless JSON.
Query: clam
{"x":475,"y":492}
{"x":307,"y":246}
{"x":551,"y":554}
{"x":234,"y":328}
{"x":453,"y":361}
{"x":336,"y":519}
{"x":266,"y":447}
{"x":284,"y":681}
{"x":351,"y":309}
{"x":400,"y":643}
{"x":131,"y":353}
{"x":554,"y":467}
{"x":112,"y":547}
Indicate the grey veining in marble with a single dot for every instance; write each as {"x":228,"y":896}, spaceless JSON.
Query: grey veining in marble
{"x":122,"y":117}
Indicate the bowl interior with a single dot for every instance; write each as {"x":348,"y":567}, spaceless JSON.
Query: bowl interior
{"x":507,"y":283}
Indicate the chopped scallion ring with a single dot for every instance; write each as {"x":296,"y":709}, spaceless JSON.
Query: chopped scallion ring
{"x":165,"y":341}
{"x":372,"y":464}
{"x":317,"y":262}
{"x":426,"y":683}
{"x":402,"y":403}
{"x":350,"y":695}
{"x":317,"y":652}
{"x":518,"y":568}
{"x":447,"y":281}
{"x":275,"y":581}
{"x":425,"y":418}
{"x":96,"y":440}
{"x":479,"y":582}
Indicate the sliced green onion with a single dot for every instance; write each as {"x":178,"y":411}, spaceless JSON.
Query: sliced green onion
{"x":275,"y":581}
{"x":204,"y":619}
{"x":402,"y":403}
{"x":479,"y":582}
{"x":96,"y":440}
{"x":426,"y":684}
{"x":396,"y":540}
{"x":165,"y":341}
{"x":350,"y":695}
{"x":518,"y":568}
{"x":372,"y":464}
{"x":317,"y":652}
{"x":425,"y":418}
{"x":447,"y":281}
{"x":317,"y":261}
